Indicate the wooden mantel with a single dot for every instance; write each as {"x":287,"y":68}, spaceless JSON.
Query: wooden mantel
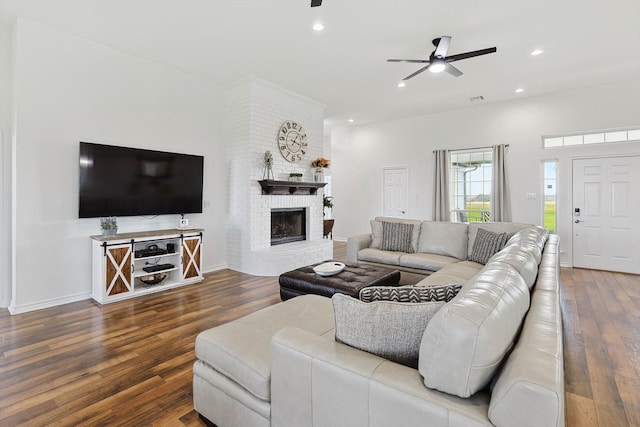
{"x":271,"y":186}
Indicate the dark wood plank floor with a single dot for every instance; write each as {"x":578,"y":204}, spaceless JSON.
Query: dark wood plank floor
{"x":129,"y":363}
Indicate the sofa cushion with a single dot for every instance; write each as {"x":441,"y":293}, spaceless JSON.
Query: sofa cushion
{"x":520,"y":258}
{"x":443,"y":238}
{"x":392,"y":330}
{"x":486,"y":244}
{"x":459,"y":272}
{"x":397,"y":237}
{"x":409,"y":293}
{"x":379,"y":256}
{"x":431,"y":262}
{"x":415,"y":234}
{"x":533,"y":238}
{"x":465,"y":342}
{"x":510,"y":228}
{"x":241,"y":349}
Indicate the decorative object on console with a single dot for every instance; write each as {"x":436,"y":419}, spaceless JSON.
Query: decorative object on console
{"x":292,"y":141}
{"x":268,"y":165}
{"x":109,"y":226}
{"x":153,"y":279}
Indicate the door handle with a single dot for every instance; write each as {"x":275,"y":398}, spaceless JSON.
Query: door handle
{"x":577,"y":221}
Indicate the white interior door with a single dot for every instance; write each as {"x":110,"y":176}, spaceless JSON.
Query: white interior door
{"x":395,"y":192}
{"x":606,"y":208}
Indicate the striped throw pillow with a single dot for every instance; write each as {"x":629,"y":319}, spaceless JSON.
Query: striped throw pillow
{"x":487,"y":243}
{"x":409,"y":293}
{"x":396,"y":236}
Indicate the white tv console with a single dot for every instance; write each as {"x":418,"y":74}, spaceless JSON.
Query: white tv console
{"x":118,"y":263}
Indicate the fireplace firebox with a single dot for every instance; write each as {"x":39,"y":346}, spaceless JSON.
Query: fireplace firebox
{"x":288,"y":225}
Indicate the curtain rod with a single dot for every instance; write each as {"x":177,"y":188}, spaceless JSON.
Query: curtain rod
{"x":475,"y":148}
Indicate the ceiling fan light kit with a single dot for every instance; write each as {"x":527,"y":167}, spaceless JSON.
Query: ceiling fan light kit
{"x":439,"y":61}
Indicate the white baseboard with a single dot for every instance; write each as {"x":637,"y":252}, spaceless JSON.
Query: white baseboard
{"x":340,"y":239}
{"x":214,"y":268}
{"x":14,"y":309}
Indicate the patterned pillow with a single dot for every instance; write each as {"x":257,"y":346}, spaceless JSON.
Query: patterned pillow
{"x":409,"y":293}
{"x":392,"y":330}
{"x":396,"y":236}
{"x":486,"y":244}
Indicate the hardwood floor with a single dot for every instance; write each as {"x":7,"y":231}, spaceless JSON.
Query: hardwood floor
{"x":129,"y":363}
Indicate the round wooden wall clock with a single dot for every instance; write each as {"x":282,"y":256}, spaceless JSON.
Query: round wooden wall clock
{"x":292,"y":141}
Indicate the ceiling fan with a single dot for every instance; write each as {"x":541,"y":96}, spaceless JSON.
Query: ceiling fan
{"x":439,"y":61}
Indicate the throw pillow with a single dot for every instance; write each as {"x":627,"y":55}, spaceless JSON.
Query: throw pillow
{"x":396,"y":236}
{"x":392,"y":330}
{"x":409,"y":293}
{"x":376,"y":234}
{"x":486,"y":244}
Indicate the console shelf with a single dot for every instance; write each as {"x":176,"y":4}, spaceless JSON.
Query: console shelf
{"x":270,"y":186}
{"x":118,"y":272}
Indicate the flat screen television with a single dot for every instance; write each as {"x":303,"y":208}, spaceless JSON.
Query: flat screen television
{"x":122,"y":181}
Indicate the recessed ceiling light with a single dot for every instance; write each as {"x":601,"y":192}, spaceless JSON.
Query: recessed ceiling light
{"x":401,"y":84}
{"x":350,"y":120}
{"x":318,"y":27}
{"x":536,"y":52}
{"x":519,"y":90}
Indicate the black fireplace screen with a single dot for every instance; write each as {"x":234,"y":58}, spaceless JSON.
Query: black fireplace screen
{"x":288,"y":225}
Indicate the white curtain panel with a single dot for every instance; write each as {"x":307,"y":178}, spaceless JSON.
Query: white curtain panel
{"x":500,"y":201}
{"x":441,"y":211}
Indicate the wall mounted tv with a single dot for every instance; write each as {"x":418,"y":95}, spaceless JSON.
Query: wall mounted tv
{"x":121,"y":181}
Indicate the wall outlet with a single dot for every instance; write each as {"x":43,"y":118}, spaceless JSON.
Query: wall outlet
{"x":530,"y":196}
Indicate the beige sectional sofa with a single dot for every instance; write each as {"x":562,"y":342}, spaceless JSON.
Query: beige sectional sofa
{"x":436,"y":245}
{"x":490,"y":356}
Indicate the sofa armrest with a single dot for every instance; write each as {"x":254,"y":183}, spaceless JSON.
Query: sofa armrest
{"x":317,"y":382}
{"x":354,"y":245}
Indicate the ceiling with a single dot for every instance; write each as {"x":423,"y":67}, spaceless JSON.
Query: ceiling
{"x":585,"y":43}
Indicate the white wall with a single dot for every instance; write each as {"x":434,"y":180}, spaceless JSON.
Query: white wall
{"x":359,"y":153}
{"x":68,"y":90}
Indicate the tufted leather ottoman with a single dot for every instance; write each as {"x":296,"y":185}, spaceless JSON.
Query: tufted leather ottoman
{"x":349,"y":281}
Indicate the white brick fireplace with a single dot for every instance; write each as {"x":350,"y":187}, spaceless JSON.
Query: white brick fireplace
{"x":256,"y":110}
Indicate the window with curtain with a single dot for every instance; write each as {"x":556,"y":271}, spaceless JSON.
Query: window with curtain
{"x":470,"y":177}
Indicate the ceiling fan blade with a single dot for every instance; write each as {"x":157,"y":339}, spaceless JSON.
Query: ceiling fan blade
{"x":443,"y":46}
{"x":413,"y":61}
{"x":452,"y":70}
{"x":315,"y":3}
{"x":466,"y":55}
{"x":416,"y":73}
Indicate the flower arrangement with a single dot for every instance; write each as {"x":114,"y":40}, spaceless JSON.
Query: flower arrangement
{"x":320,"y":162}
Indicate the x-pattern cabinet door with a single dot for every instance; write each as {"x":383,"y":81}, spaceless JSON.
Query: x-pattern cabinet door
{"x":191,"y":247}
{"x":118,"y":262}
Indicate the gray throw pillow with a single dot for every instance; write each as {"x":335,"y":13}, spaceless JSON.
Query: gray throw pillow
{"x":409,"y":293}
{"x":487,"y":243}
{"x":396,"y":236}
{"x":376,"y":234}
{"x":392,"y":330}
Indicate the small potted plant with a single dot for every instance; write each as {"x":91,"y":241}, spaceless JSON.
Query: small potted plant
{"x":327,"y":224}
{"x":295,"y":176}
{"x":109,"y":226}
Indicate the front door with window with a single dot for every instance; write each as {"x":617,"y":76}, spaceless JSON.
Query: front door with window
{"x":606,"y":207}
